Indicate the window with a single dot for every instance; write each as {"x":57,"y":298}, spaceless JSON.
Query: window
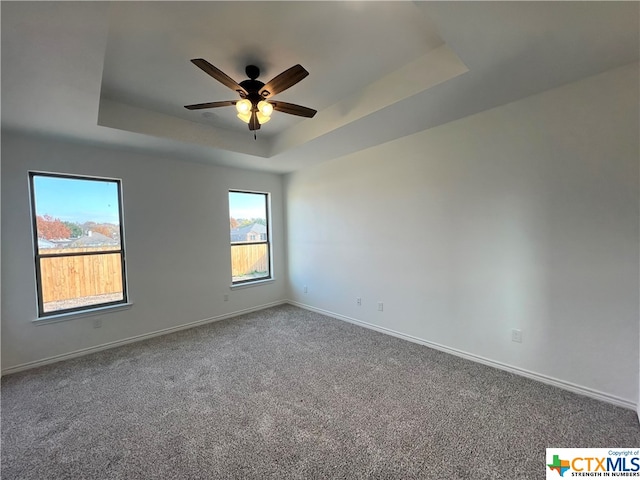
{"x":250,"y":244}
{"x":78,"y":242}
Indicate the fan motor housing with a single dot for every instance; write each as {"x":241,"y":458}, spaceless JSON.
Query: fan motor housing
{"x":252,"y":86}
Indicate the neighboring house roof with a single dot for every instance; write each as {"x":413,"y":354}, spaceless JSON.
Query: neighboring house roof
{"x":240,"y":234}
{"x":56,"y":243}
{"x":93,"y":239}
{"x":42,"y":243}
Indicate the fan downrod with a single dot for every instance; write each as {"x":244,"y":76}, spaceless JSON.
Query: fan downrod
{"x":252,"y":72}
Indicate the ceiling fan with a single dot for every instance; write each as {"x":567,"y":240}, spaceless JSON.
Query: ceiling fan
{"x":255,"y":105}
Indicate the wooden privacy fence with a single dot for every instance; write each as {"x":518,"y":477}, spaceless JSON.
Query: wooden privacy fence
{"x":246,"y":259}
{"x":64,"y":278}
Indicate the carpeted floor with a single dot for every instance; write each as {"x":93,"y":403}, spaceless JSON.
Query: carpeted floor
{"x":286,"y":393}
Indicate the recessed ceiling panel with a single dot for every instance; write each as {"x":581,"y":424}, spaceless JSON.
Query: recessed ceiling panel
{"x":344,"y":45}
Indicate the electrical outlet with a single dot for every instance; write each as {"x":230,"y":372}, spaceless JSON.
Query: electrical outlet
{"x":226,"y":297}
{"x":97,"y":323}
{"x":516,"y":335}
{"x":359,"y":301}
{"x":305,"y":289}
{"x":380,"y":307}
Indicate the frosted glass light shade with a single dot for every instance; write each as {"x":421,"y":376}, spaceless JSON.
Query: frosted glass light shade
{"x":265,"y":108}
{"x":244,"y":106}
{"x":245,"y":117}
{"x":262,"y":118}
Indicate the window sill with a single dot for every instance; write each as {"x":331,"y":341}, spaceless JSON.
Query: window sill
{"x":84,"y":313}
{"x":251,"y":284}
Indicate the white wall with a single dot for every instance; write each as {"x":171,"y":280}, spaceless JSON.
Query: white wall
{"x":177,"y":243}
{"x":524,"y":216}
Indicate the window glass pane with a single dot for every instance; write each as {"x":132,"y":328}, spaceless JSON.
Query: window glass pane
{"x":79,"y":281}
{"x":249,"y":262}
{"x":248,"y":217}
{"x":249,"y":228}
{"x":76,"y":213}
{"x":77,"y":237}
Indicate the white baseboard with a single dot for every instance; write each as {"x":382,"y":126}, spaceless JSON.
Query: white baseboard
{"x":605,"y":397}
{"x":459,"y":353}
{"x":136,"y":338}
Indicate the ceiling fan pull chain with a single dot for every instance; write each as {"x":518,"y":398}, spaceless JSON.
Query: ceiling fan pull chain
{"x":254,"y":135}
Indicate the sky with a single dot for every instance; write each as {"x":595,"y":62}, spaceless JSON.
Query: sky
{"x":80,"y":200}
{"x":243,"y":205}
{"x":76,"y":200}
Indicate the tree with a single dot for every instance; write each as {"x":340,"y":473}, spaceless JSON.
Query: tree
{"x":243,"y":222}
{"x":74,"y":228}
{"x":51,"y":228}
{"x":233,"y":223}
{"x":105,"y":230}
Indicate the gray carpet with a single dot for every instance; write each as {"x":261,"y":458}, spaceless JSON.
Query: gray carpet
{"x":286,"y":393}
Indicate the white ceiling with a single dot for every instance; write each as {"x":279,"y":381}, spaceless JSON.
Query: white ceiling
{"x":118,"y":73}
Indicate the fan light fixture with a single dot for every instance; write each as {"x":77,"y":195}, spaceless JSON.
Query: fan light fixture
{"x":253,"y":107}
{"x":263,"y":110}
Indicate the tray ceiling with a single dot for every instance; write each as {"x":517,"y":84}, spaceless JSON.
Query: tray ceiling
{"x":118,"y":73}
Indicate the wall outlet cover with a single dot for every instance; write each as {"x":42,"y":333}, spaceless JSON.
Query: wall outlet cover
{"x":516,"y":335}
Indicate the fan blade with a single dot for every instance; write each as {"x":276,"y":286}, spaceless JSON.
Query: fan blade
{"x":286,"y":79}
{"x":200,"y":106}
{"x":293,"y":109}
{"x":218,"y":74}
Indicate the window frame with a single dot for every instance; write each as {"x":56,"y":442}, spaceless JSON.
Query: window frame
{"x":267,"y":241}
{"x":42,"y":315}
